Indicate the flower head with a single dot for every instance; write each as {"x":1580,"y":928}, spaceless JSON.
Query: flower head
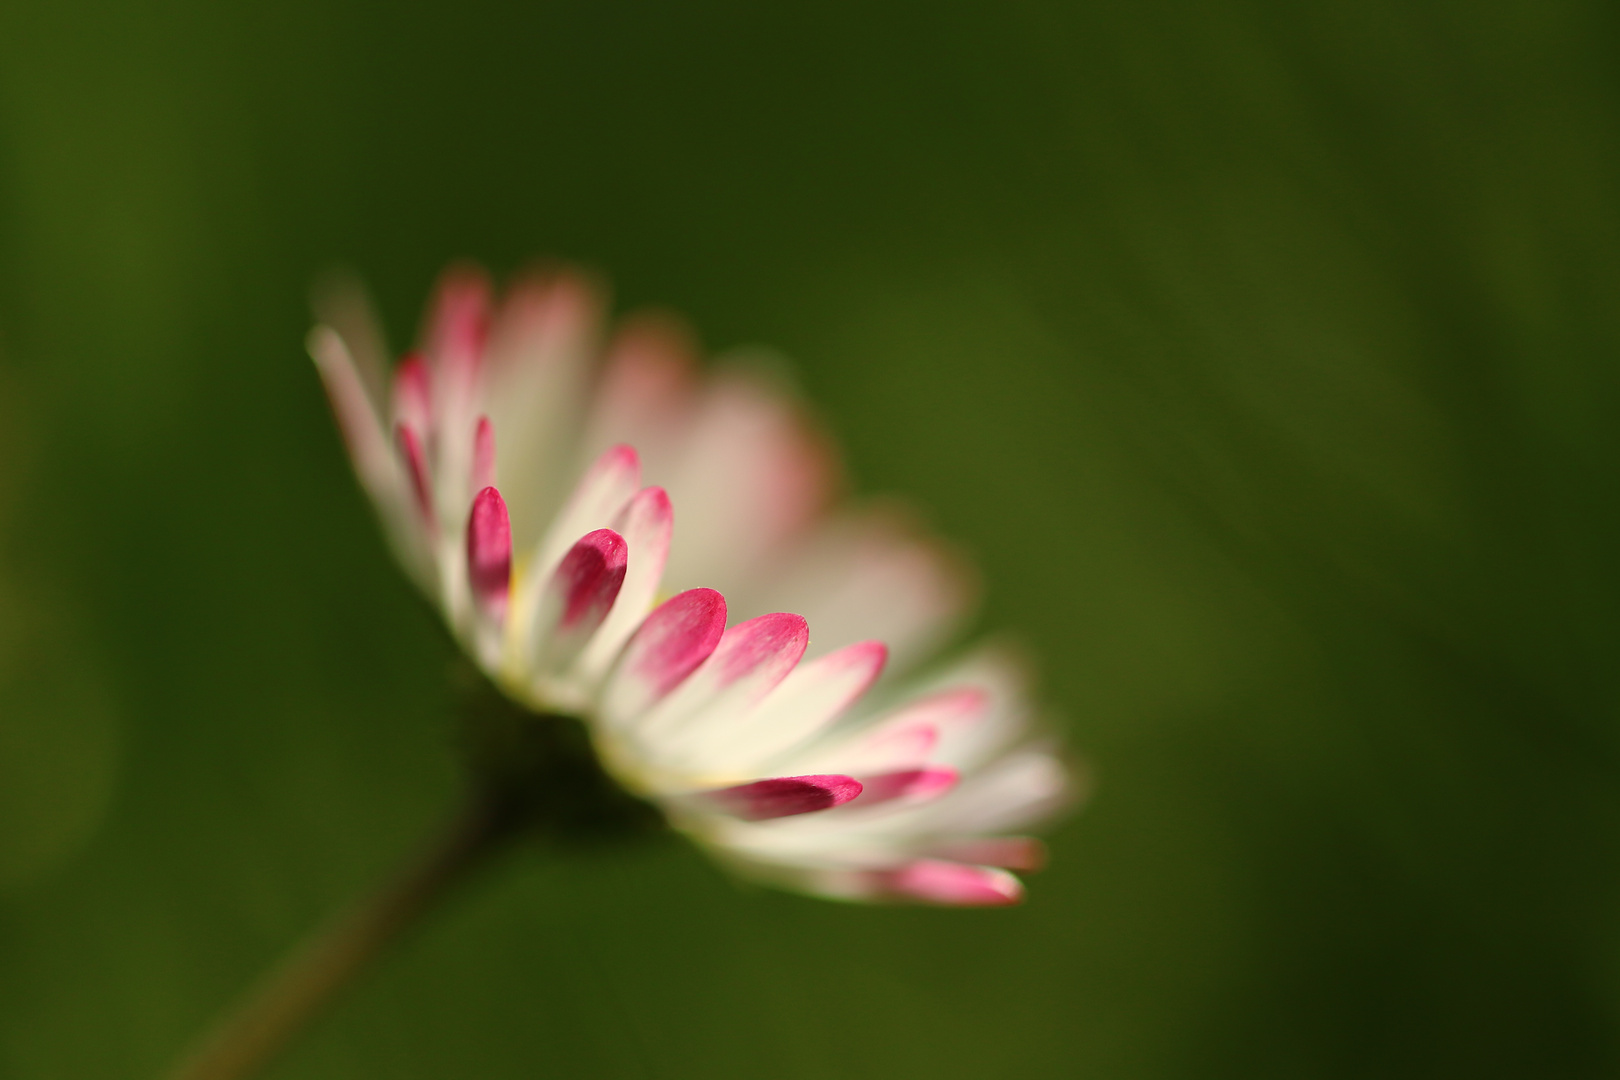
{"x":499,"y":456}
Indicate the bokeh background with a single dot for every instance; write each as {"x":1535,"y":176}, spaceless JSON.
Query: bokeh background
{"x":1263,"y":353}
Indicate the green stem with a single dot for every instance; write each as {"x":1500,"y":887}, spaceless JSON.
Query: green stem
{"x":291,"y":995}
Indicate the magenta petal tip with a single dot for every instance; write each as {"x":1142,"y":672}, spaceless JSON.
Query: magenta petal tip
{"x":785,"y":796}
{"x":774,"y":642}
{"x":678,"y":636}
{"x":622,"y":455}
{"x":489,"y":549}
{"x":590,"y":576}
{"x":916,"y":784}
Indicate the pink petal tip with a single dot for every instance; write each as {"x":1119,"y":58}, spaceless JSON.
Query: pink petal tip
{"x":678,"y":636}
{"x":775,"y":642}
{"x":489,"y":549}
{"x":459,"y":320}
{"x":413,"y":398}
{"x":915,"y":784}
{"x":483,"y":462}
{"x":589,"y":578}
{"x":784,"y":796}
{"x":621,"y":457}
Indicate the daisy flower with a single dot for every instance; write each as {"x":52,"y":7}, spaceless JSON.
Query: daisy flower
{"x":499,"y":458}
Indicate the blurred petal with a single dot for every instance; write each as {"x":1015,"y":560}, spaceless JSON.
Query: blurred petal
{"x":458,"y":318}
{"x":534,"y":383}
{"x":751,"y":474}
{"x":363,"y":431}
{"x":910,"y":784}
{"x":647,"y":388}
{"x":412,"y":395}
{"x":1011,"y":793}
{"x":872,"y":575}
{"x":1008,"y":852}
{"x":341,"y":304}
{"x":954,"y":884}
{"x":483,"y":462}
{"x":416,"y":467}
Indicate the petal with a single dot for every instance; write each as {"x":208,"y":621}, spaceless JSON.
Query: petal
{"x":362,"y":429}
{"x":646,"y":524}
{"x":672,"y":642}
{"x":935,"y":881}
{"x":483,"y":462}
{"x":577,"y":598}
{"x":489,"y":551}
{"x":453,"y":345}
{"x":1009,"y":852}
{"x":546,"y":317}
{"x":1002,"y":715}
{"x":595,"y":504}
{"x":806,"y":702}
{"x":904,"y":738}
{"x":598,"y":498}
{"x":458,"y":318}
{"x":751,"y":474}
{"x":647,"y":385}
{"x":589,"y":577}
{"x":410,"y":448}
{"x":341,"y":304}
{"x":918,"y":726}
{"x":374,"y":456}
{"x":782,"y":796}
{"x":534,"y":383}
{"x":690,"y":725}
{"x":915,"y":785}
{"x":759,"y":652}
{"x":1011,"y":793}
{"x":875,"y":574}
{"x":412,"y":395}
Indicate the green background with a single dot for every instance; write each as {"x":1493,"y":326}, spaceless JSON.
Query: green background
{"x":1263,"y":353}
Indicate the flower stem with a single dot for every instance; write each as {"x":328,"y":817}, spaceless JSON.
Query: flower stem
{"x":290,"y":996}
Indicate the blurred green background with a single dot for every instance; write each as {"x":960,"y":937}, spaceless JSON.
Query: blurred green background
{"x":1264,"y":354}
